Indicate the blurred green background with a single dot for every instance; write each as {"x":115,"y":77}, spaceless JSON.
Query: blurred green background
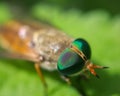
{"x":98,"y":21}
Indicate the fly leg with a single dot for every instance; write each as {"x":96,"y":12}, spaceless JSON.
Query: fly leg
{"x":66,"y":79}
{"x":37,"y":67}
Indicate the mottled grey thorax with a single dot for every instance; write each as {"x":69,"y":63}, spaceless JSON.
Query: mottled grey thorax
{"x":49,"y":43}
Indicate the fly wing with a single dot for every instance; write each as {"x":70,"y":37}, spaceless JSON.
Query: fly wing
{"x":16,"y":38}
{"x":4,"y":54}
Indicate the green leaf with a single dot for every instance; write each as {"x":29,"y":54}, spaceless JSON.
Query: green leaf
{"x":5,"y":13}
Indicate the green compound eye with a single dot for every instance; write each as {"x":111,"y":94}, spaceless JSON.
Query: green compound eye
{"x":70,"y":62}
{"x":83,"y":46}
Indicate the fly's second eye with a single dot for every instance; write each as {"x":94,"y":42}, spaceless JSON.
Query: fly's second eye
{"x":83,"y":46}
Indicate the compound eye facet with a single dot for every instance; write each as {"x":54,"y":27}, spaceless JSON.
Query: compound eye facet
{"x":70,"y":62}
{"x":83,"y":46}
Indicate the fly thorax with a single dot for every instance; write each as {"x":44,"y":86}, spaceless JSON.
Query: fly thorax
{"x":50,"y":43}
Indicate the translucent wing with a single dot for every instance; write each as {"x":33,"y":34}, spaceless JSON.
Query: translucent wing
{"x":16,"y":39}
